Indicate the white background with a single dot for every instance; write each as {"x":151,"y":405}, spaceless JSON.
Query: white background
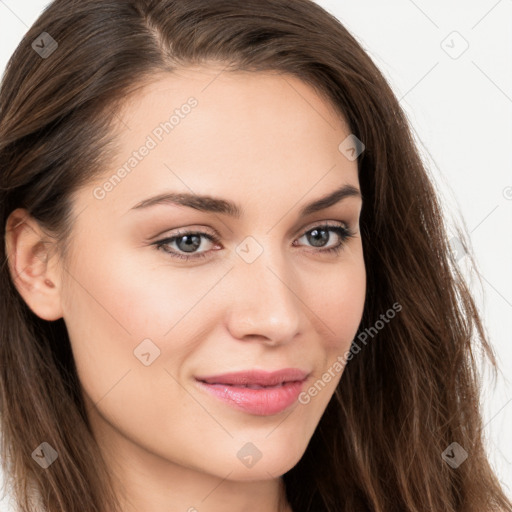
{"x":460,"y":109}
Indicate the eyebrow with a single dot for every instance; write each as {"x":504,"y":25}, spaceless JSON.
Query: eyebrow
{"x":206,"y":203}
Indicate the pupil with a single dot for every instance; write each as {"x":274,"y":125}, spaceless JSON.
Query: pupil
{"x":192,"y":242}
{"x":322,"y":238}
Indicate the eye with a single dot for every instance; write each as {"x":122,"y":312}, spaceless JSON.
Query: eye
{"x":187,"y":242}
{"x":319,"y":235}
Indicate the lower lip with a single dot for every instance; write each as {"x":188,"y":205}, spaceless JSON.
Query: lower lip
{"x":262,"y":402}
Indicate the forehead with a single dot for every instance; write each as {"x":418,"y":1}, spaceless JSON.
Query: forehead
{"x":213,"y":84}
{"x":209,"y":131}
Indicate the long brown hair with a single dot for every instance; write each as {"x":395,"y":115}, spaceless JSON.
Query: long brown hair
{"x":403,"y":399}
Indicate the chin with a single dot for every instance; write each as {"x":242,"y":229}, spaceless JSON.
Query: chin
{"x":275,"y":460}
{"x":262,"y":471}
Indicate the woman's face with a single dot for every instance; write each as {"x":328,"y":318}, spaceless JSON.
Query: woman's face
{"x":265,"y":294}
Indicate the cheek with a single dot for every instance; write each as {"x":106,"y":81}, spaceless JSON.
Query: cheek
{"x":127,"y":298}
{"x":110,"y":307}
{"x":337,"y":297}
{"x":338,"y":302}
{"x":116,"y":309}
{"x":123,"y":312}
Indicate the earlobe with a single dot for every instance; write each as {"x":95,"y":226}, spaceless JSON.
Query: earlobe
{"x":29,"y":253}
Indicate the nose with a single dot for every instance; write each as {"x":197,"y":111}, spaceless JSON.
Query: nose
{"x":265,"y":302}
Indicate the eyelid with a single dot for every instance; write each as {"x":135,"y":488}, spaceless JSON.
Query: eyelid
{"x":330,"y":223}
{"x":183,"y":231}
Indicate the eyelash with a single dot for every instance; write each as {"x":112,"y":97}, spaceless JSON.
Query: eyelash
{"x":343,"y":232}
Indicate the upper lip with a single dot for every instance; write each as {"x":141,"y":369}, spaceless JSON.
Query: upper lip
{"x":256,"y":377}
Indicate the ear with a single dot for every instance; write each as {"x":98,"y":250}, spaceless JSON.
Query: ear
{"x":32,"y":259}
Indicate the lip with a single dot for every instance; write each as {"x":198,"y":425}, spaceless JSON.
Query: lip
{"x":270,"y":392}
{"x":256,"y":377}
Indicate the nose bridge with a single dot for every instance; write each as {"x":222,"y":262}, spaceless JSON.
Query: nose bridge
{"x":266,"y":303}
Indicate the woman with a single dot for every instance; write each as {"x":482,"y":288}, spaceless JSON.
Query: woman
{"x":227,"y":283}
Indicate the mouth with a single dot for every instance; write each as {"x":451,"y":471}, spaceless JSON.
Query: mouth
{"x":256,"y":392}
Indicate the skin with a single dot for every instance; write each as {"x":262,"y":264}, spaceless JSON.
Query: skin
{"x":269,"y":143}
